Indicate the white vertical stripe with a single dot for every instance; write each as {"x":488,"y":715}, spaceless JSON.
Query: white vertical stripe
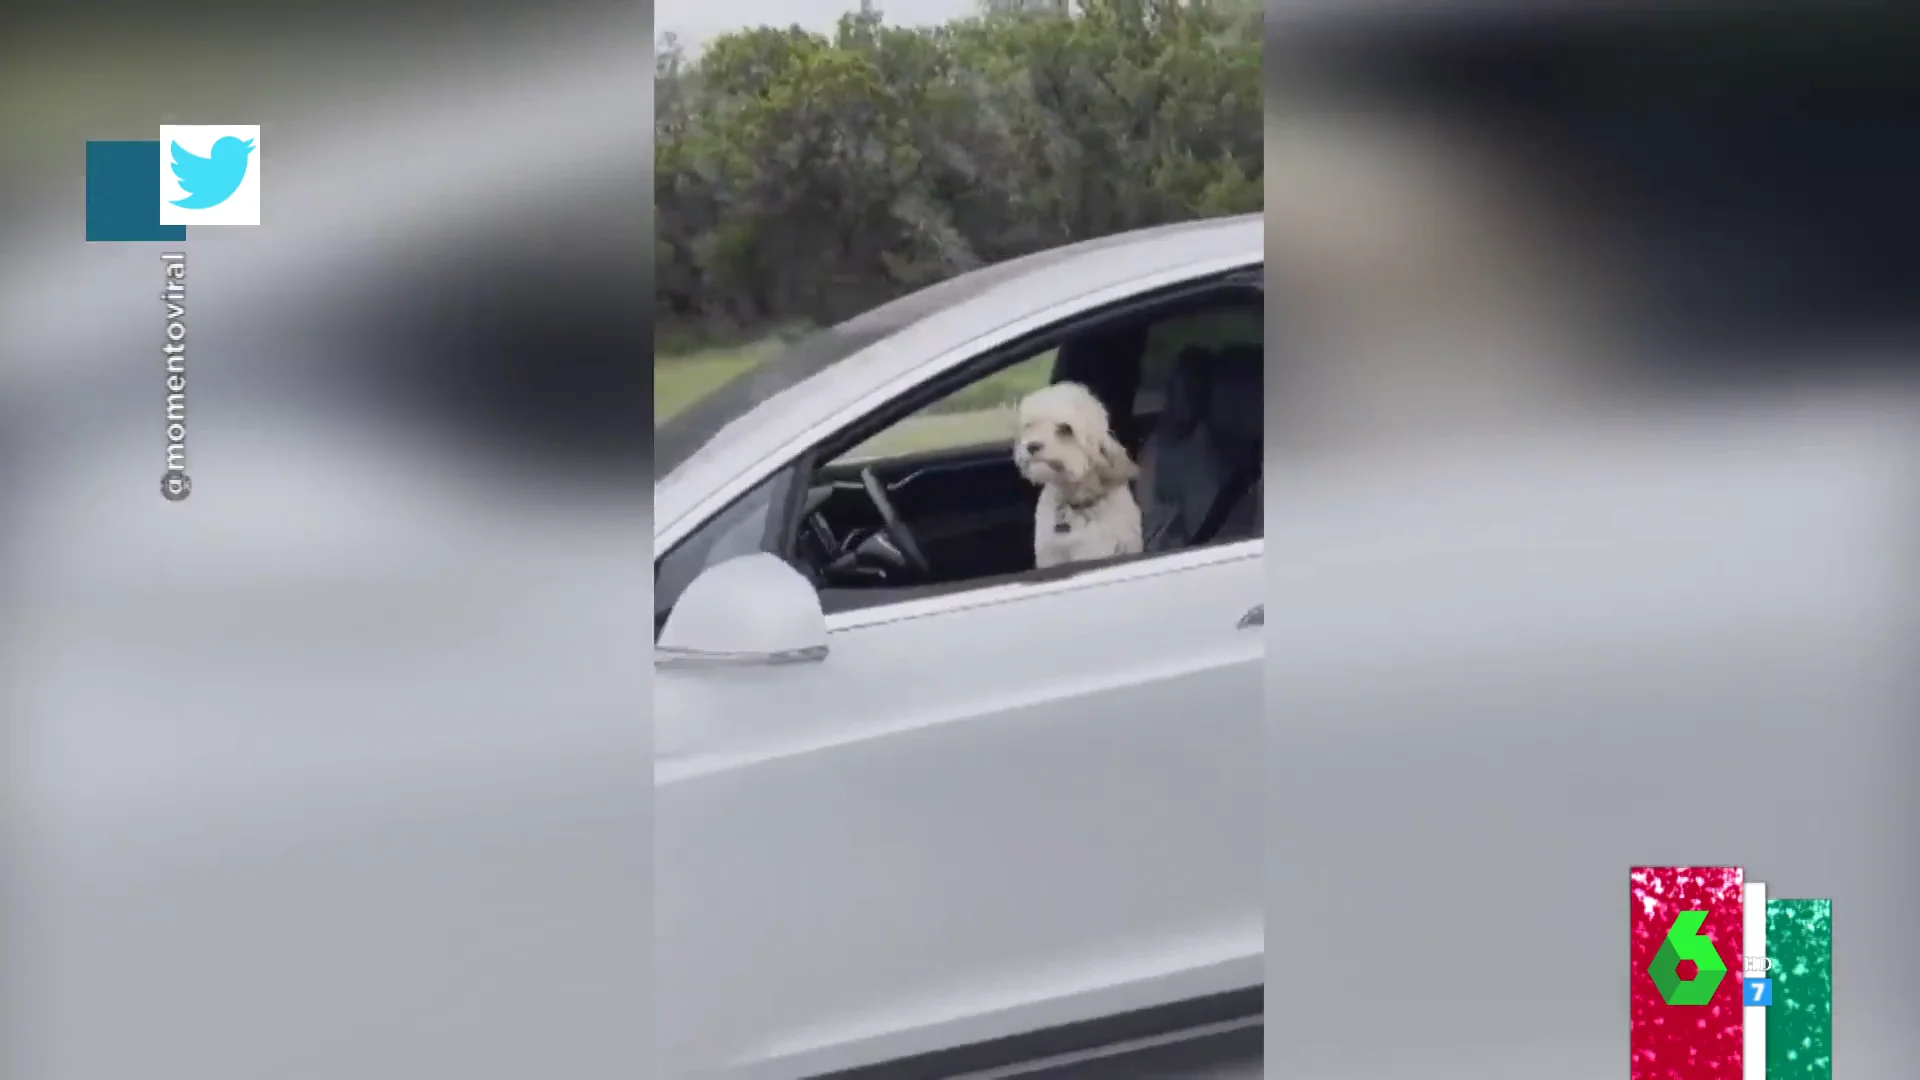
{"x":1754,"y":1021}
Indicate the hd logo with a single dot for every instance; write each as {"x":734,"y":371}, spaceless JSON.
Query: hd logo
{"x":1685,"y":942}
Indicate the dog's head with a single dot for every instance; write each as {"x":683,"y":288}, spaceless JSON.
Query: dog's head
{"x":1064,"y":441}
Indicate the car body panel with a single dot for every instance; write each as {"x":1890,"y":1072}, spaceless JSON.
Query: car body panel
{"x":879,"y":851}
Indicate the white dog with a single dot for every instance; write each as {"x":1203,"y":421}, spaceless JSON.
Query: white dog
{"x":1086,"y":510}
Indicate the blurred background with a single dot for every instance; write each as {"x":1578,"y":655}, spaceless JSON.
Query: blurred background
{"x":817,"y":160}
{"x":1591,"y":514}
{"x":337,"y":768}
{"x":822,"y":158}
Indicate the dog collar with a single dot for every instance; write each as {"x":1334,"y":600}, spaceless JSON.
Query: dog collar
{"x":1064,"y":512}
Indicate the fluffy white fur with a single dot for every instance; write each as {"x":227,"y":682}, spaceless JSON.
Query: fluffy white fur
{"x":1065,"y":445}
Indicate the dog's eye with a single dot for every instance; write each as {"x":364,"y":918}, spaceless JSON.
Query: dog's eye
{"x":1065,"y":431}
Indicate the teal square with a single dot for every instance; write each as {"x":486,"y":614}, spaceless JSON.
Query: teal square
{"x":123,"y":193}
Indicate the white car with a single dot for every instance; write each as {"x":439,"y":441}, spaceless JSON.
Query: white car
{"x":920,"y":806}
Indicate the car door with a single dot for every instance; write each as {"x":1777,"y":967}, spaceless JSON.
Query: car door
{"x":1009,"y":807}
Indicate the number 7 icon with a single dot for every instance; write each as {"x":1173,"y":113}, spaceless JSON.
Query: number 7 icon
{"x":1759,"y":991}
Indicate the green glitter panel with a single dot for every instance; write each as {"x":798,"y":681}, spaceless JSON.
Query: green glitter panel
{"x":1800,"y":1020}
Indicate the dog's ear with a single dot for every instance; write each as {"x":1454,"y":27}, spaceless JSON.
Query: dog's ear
{"x":1110,"y":460}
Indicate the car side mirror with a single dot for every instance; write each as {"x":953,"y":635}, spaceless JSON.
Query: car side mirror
{"x":753,"y":611}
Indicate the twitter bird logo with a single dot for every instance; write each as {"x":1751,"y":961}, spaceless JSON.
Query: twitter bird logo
{"x":221,"y":188}
{"x":210,"y":181}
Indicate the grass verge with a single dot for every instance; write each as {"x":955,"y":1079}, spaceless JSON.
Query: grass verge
{"x":981,"y":412}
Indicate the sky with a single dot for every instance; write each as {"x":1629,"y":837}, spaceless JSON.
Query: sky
{"x":696,"y":21}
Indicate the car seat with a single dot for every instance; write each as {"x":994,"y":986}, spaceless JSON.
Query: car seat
{"x":1200,"y":470}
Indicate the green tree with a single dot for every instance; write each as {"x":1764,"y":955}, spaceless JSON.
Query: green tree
{"x":803,"y":177}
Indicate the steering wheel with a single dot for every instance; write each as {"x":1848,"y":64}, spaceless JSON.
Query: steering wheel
{"x":891,"y":523}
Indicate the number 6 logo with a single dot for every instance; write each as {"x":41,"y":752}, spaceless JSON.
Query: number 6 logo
{"x":1685,"y":942}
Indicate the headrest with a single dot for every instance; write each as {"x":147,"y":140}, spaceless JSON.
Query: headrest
{"x":1236,"y":393}
{"x":1106,"y":363}
{"x":1189,"y":393}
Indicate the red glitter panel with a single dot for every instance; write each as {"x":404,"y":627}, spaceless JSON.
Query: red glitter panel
{"x":1687,"y":1042}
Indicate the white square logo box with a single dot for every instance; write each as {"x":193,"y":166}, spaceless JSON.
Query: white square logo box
{"x":199,"y":156}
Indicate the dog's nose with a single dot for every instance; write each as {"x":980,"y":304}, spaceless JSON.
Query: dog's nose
{"x":1033,"y":447}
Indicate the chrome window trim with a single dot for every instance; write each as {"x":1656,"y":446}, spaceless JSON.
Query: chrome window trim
{"x":671,"y":534}
{"x":1140,"y":569}
{"x":671,"y":656}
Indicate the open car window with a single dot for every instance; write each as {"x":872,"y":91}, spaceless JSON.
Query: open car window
{"x":1237,"y":324}
{"x":979,"y":413}
{"x":947,"y":471}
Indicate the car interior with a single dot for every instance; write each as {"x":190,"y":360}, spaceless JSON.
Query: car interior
{"x":1182,"y":381}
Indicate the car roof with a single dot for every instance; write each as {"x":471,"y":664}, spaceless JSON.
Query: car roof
{"x":890,"y":341}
